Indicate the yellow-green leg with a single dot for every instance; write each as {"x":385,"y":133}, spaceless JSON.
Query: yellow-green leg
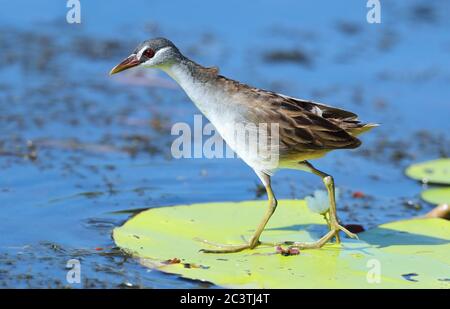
{"x":330,"y":217}
{"x":332,"y":221}
{"x":254,"y":241}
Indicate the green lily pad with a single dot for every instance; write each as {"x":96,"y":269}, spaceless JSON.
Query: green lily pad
{"x":436,"y":171}
{"x":405,"y":254}
{"x":437,"y":195}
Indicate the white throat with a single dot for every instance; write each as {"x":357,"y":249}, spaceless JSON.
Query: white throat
{"x":204,"y":95}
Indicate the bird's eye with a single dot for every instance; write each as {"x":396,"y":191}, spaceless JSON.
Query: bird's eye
{"x":148,"y":53}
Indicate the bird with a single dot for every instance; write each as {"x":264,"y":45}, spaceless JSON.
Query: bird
{"x":305,"y":130}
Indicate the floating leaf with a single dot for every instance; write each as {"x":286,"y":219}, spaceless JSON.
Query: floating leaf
{"x":437,"y":195}
{"x":436,"y":171}
{"x":381,"y":258}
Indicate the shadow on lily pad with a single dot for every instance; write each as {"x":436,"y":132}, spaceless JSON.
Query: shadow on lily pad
{"x":384,"y":237}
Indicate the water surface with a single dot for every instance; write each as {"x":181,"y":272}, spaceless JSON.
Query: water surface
{"x":81,"y":151}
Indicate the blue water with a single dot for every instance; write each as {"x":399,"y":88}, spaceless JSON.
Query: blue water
{"x":103,"y":144}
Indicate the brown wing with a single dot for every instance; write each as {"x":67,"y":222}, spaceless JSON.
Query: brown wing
{"x":304,"y":126}
{"x":327,"y":112}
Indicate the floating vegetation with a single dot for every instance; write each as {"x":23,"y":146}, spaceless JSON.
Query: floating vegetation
{"x":434,"y":172}
{"x":412,"y":252}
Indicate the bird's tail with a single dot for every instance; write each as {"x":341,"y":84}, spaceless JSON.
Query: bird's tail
{"x":362,"y":128}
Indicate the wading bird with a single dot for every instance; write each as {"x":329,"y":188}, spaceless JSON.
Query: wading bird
{"x":306,"y":130}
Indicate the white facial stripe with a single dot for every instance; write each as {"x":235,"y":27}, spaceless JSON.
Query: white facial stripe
{"x":139,"y":54}
{"x":161,"y":51}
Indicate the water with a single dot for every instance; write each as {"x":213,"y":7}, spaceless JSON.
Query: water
{"x":80,"y":151}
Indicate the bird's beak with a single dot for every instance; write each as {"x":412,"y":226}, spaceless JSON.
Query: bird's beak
{"x":130,"y":62}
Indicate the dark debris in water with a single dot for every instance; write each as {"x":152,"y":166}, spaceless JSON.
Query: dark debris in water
{"x":111,"y":264}
{"x":414,"y":205}
{"x":348,"y":28}
{"x":403,"y":151}
{"x":424,"y":13}
{"x":96,"y":49}
{"x":294,"y":55}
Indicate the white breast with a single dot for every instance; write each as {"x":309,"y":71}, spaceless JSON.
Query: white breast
{"x":222,"y":110}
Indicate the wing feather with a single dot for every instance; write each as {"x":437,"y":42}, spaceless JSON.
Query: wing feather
{"x":305,"y":126}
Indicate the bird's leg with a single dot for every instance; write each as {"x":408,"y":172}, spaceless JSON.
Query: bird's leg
{"x":254,"y":240}
{"x":333,"y":222}
{"x":330,"y":216}
{"x":325,"y":217}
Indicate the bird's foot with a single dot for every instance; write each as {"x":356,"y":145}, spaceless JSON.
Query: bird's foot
{"x":335,"y":228}
{"x":226,"y":248}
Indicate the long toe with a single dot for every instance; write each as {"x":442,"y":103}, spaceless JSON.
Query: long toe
{"x":227,"y":249}
{"x":339,"y":227}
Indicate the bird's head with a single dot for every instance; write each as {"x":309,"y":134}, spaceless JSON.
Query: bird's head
{"x":154,"y":53}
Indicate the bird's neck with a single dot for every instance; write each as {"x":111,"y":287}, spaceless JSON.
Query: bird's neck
{"x":197,"y":81}
{"x":186,"y":73}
